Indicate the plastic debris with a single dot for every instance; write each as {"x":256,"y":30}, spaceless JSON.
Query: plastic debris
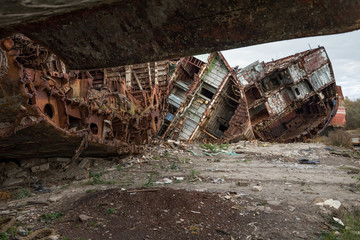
{"x":307,"y":161}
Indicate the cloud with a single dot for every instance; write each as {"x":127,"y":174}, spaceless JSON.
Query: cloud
{"x":343,"y":50}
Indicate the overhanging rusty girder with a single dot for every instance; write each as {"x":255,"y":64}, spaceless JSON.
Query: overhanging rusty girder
{"x":94,"y":34}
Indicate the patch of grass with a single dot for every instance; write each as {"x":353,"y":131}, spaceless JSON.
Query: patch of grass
{"x":90,"y":190}
{"x":120,"y":168}
{"x":351,"y":230}
{"x":95,"y":180}
{"x":224,"y":146}
{"x":12,"y":232}
{"x":150,"y":181}
{"x":49,"y":217}
{"x":4,"y":236}
{"x":167,"y":154}
{"x":110,"y":211}
{"x":92,"y":223}
{"x":262,"y":203}
{"x":66,"y":186}
{"x":211,"y":147}
{"x":21,"y":193}
{"x":156,"y":158}
{"x":193,"y":175}
{"x":174,"y":166}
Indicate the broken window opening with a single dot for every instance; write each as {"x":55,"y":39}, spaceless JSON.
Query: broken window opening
{"x":207,"y":93}
{"x":30,"y":101}
{"x":223,"y":128}
{"x":94,"y":128}
{"x":74,"y":123}
{"x":271,"y":83}
{"x":164,"y":127}
{"x":172,"y":109}
{"x":252,"y":94}
{"x":259,"y":113}
{"x":49,"y":110}
{"x":297,"y":91}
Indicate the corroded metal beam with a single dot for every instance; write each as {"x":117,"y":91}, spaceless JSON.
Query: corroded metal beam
{"x":94,"y":34}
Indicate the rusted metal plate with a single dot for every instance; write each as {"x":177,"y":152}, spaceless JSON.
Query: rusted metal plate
{"x":339,"y":119}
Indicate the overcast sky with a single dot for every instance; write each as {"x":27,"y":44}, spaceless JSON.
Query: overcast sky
{"x":343,"y":50}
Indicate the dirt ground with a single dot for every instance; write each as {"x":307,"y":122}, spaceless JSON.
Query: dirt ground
{"x":241,"y":191}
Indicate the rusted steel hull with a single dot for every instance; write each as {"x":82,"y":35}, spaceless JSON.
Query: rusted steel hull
{"x":290,"y":99}
{"x":205,"y":111}
{"x":54,"y":112}
{"x":339,"y":119}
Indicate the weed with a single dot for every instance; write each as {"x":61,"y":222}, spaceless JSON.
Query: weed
{"x":150,"y":181}
{"x":211,"y":147}
{"x":174,"y":166}
{"x":66,"y":186}
{"x":21,"y":193}
{"x":302,"y":184}
{"x":348,"y":232}
{"x":167,"y":154}
{"x":262,"y":203}
{"x":193,"y":175}
{"x":92,"y":223}
{"x":12,"y":232}
{"x":339,"y":138}
{"x":95,"y":180}
{"x":156,"y":158}
{"x":4,"y":236}
{"x":49,"y":217}
{"x":110,"y":211}
{"x":90,"y":191}
{"x":120,"y":168}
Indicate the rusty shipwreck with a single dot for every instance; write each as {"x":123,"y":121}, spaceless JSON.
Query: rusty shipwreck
{"x":48,"y":111}
{"x":290,"y":99}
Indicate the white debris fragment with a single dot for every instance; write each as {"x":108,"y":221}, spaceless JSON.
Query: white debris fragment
{"x":338,"y":221}
{"x":257,"y":188}
{"x":331,"y":203}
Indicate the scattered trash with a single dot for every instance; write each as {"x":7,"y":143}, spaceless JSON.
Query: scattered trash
{"x":195,"y":212}
{"x":84,"y":218}
{"x":257,"y":188}
{"x":227,"y":197}
{"x":338,"y":221}
{"x":218,"y":180}
{"x":330,"y":149}
{"x":232,"y":153}
{"x":307,"y":161}
{"x":331,"y":203}
{"x":164,"y":181}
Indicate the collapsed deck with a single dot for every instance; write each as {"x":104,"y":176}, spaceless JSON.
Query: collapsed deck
{"x":284,"y":100}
